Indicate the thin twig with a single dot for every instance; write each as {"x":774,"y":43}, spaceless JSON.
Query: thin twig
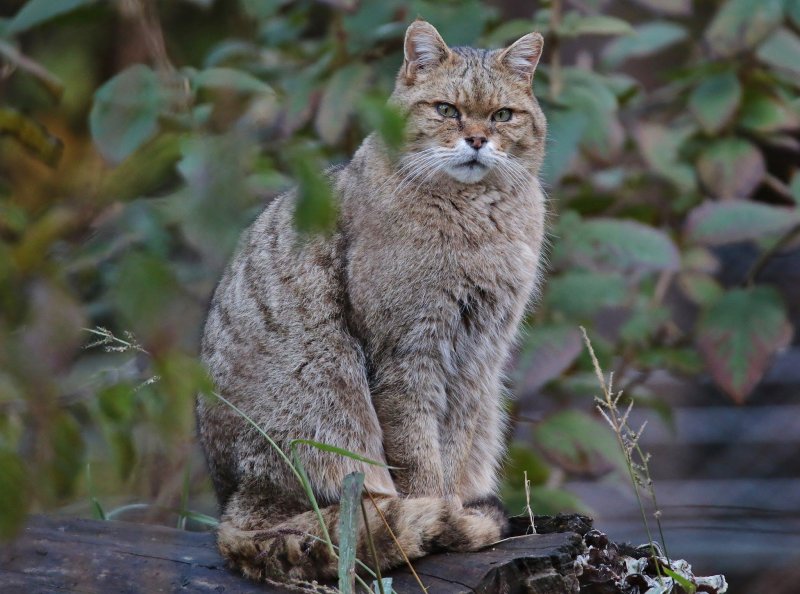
{"x":50,"y":81}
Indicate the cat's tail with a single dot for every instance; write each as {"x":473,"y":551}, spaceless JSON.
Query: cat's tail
{"x":293,"y":551}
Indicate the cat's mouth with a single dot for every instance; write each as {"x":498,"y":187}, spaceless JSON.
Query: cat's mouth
{"x":470,"y":170}
{"x":472,"y":164}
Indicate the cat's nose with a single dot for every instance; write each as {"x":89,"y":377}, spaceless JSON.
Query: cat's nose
{"x":476,"y":142}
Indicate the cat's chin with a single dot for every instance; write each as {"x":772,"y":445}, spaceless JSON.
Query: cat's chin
{"x":468,"y":173}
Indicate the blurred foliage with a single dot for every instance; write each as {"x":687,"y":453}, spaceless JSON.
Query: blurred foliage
{"x":137,"y":140}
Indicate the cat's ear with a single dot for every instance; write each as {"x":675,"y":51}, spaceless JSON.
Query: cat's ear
{"x":423,"y":47}
{"x":523,"y":55}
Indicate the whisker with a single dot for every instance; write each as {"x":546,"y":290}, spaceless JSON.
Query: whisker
{"x":409,"y":164}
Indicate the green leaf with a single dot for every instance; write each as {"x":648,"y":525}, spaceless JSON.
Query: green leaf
{"x":578,"y":442}
{"x":67,"y":454}
{"x":230,"y":51}
{"x":231,"y":79}
{"x":32,"y":135}
{"x":116,"y":402}
{"x":543,"y":500}
{"x":793,"y":11}
{"x":144,"y":171}
{"x":782,"y":51}
{"x":385,"y":587}
{"x":386,"y":119}
{"x":648,"y":39}
{"x":684,"y":583}
{"x":14,"y":499}
{"x":581,"y":294}
{"x":125,"y":112}
{"x":715,"y":100}
{"x":547,"y":351}
{"x":36,"y":12}
{"x":551,"y":501}
{"x":741,"y":24}
{"x":661,"y":147}
{"x":261,"y":9}
{"x":336,"y":450}
{"x":316,"y":210}
{"x":339,"y":100}
{"x":739,"y":335}
{"x":731,"y":168}
{"x":349,"y":519}
{"x":213,"y":166}
{"x":203,"y":519}
{"x":123,"y":450}
{"x":670,"y":7}
{"x":575,"y":24}
{"x":523,"y":459}
{"x":565,"y":130}
{"x":681,"y":360}
{"x":766,"y":113}
{"x":182,"y":378}
{"x":619,"y":245}
{"x":589,"y":95}
{"x":508,"y":32}
{"x":703,"y":289}
{"x":729,"y":221}
{"x":448,"y":18}
{"x":365,"y":27}
{"x":148,"y":298}
{"x":643,"y":323}
{"x":97,"y":509}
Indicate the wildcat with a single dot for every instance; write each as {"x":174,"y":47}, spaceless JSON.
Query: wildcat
{"x":388,"y":337}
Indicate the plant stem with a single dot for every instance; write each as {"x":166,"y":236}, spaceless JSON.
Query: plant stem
{"x":765,"y":257}
{"x":610,"y":405}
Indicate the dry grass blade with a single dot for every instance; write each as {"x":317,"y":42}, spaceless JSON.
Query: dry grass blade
{"x":528,"y":502}
{"x":394,"y":538}
{"x":373,"y":552}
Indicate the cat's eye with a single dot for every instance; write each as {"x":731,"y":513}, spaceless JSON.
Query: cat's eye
{"x":447,"y":110}
{"x":502,"y":115}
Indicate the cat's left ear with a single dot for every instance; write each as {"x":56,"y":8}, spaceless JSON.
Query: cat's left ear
{"x":523,"y":55}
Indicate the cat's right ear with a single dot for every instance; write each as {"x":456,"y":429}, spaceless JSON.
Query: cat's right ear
{"x":424,"y":48}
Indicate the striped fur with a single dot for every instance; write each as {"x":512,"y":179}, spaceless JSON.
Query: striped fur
{"x":388,"y":337}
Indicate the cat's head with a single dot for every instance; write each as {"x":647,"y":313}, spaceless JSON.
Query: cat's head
{"x":471,"y":112}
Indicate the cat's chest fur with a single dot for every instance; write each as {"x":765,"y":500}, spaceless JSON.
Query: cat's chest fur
{"x":447,"y":266}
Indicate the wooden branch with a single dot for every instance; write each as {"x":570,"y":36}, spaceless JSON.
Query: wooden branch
{"x":71,"y":555}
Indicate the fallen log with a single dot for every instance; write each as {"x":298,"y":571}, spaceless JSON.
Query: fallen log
{"x":87,"y":556}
